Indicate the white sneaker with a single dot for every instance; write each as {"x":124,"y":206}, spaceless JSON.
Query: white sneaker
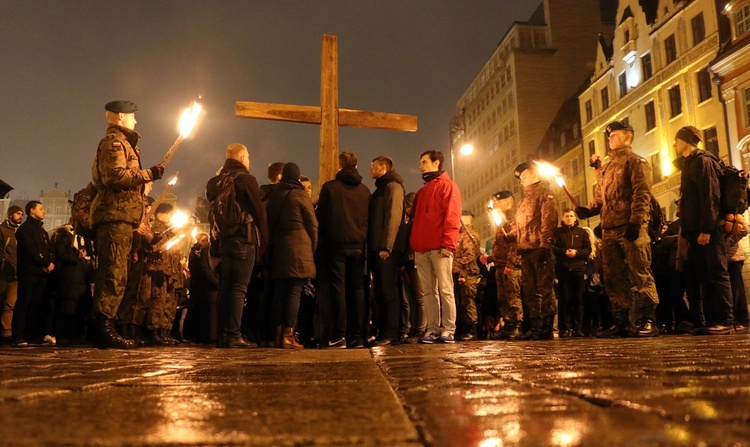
{"x":49,"y":340}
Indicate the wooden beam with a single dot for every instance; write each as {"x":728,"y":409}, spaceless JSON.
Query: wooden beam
{"x":329,"y":104}
{"x":377,"y":120}
{"x":277,"y":112}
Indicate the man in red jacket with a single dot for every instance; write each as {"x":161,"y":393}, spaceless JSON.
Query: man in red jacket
{"x":437,"y":220}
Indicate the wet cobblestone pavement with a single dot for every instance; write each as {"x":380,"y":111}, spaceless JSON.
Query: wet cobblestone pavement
{"x":668,"y":391}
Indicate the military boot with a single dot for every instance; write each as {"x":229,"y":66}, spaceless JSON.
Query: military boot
{"x":130,"y":334}
{"x":647,"y":323}
{"x":166,"y":335}
{"x":511,"y":330}
{"x":155,"y":338}
{"x":621,"y":326}
{"x":547,"y":331}
{"x":534,"y":330}
{"x":107,"y":336}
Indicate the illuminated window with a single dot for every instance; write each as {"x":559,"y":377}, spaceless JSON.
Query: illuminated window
{"x":742,"y":20}
{"x":747,"y":107}
{"x":670,"y":49}
{"x":704,"y":85}
{"x":675,"y":101}
{"x":699,"y":29}
{"x":650,"y":116}
{"x":646,"y":66}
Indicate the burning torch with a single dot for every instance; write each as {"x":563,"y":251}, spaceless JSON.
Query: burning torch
{"x":187,"y":121}
{"x":497,"y":216}
{"x":547,"y":170}
{"x":162,"y":195}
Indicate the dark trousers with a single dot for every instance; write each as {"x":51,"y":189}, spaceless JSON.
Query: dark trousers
{"x":346,"y":308}
{"x":710,"y":263}
{"x":672,"y":308}
{"x":571,"y":286}
{"x":201,"y":320}
{"x":286,"y":299}
{"x":738,"y":293}
{"x":385,"y":281}
{"x":30,"y":314}
{"x":237,"y":261}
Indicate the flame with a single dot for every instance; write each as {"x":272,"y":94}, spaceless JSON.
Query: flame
{"x":189,"y":118}
{"x":194,"y":233}
{"x":179,"y":219}
{"x":491,"y":205}
{"x":546,"y":169}
{"x":174,"y":241}
{"x":497,"y":217}
{"x":173,"y":181}
{"x":560,"y":181}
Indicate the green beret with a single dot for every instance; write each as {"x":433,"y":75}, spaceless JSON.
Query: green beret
{"x":121,"y":107}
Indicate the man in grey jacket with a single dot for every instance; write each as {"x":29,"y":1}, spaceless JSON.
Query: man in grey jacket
{"x":386,"y":213}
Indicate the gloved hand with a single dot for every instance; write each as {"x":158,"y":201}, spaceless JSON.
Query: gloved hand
{"x":583,"y":213}
{"x":157,"y":171}
{"x":545,"y":254}
{"x":158,"y":278}
{"x":632,"y":231}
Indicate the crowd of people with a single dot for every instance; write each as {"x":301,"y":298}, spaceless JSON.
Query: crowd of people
{"x":352,"y":268}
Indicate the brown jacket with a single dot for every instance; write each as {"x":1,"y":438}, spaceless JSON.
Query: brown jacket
{"x":536,"y":218}
{"x":623,"y":191}
{"x":504,"y":253}
{"x":118,"y":178}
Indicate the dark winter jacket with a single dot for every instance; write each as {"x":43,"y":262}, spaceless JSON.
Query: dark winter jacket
{"x":34,"y":250}
{"x":437,"y":215}
{"x":8,"y":250}
{"x":203,"y":279}
{"x":71,"y":274}
{"x":576,"y":238}
{"x":118,"y":178}
{"x":294,"y":231}
{"x":248,"y":196}
{"x":342,"y":211}
{"x":386,"y":212}
{"x":700,"y":193}
{"x":623,"y":190}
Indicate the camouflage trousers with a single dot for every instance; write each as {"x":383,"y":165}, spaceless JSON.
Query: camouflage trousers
{"x":538,"y":278}
{"x":627,"y":267}
{"x":126,"y":311}
{"x":152,"y":300}
{"x":509,"y":294}
{"x":170,"y":308}
{"x":466,"y":292}
{"x":113,"y":243}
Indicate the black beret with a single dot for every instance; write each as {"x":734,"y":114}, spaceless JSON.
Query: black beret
{"x":164,"y":208}
{"x":522,"y":167}
{"x":467,"y":213}
{"x":618,"y":125}
{"x":121,"y":107}
{"x":500,"y":195}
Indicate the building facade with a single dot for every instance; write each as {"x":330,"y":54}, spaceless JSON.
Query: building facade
{"x":655,"y":75}
{"x":57,"y":206}
{"x":509,"y":106}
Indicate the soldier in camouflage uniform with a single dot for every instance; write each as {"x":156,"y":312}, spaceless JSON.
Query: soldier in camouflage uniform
{"x":159,"y":272}
{"x":115,"y":211}
{"x":536,"y":220}
{"x":623,"y":198}
{"x":466,"y":276}
{"x":507,"y":268}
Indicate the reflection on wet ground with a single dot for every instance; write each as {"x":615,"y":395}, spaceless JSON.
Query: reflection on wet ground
{"x":655,"y":392}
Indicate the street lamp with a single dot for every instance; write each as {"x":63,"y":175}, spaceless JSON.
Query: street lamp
{"x":458,"y":132}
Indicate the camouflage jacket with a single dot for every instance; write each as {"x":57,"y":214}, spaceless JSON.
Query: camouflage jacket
{"x":159,"y":260}
{"x":536,"y":218}
{"x":505,"y":253}
{"x":467,"y":252}
{"x":118,"y":178}
{"x":623,"y":190}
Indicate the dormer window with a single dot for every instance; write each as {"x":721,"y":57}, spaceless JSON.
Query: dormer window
{"x":742,"y":20}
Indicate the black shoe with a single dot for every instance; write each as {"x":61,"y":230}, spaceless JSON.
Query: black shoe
{"x":238,"y":342}
{"x":647,"y":328}
{"x":717,"y":329}
{"x":566,"y":333}
{"x":356,"y":344}
{"x":742,"y":329}
{"x":381,"y":342}
{"x":467,"y":337}
{"x":107,"y":336}
{"x":615,"y":331}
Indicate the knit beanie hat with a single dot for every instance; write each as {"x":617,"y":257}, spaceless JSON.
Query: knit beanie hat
{"x":689,"y":134}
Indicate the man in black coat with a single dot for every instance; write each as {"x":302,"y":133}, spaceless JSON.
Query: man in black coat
{"x":342,"y":216}
{"x":35,"y":263}
{"x":239,"y":247}
{"x":700,"y":217}
{"x":386,"y":214}
{"x":572,"y":249}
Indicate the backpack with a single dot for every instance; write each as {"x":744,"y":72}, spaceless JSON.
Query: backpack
{"x":733,"y":184}
{"x":225,"y":215}
{"x":80,"y":211}
{"x":657,"y":220}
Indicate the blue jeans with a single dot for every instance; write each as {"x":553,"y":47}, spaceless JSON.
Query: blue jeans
{"x":237,"y":262}
{"x":286,"y":300}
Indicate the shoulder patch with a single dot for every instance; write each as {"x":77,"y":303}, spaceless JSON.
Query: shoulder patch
{"x":550,"y":197}
{"x":117,"y":144}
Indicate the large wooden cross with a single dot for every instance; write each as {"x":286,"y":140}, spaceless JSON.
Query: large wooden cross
{"x":328,"y":114}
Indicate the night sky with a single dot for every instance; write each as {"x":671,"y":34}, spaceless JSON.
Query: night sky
{"x":60,"y":62}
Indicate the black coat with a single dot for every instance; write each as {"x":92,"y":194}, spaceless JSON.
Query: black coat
{"x":343,"y":211}
{"x":34,"y":251}
{"x":571,"y":237}
{"x":203,"y":279}
{"x":700,"y":193}
{"x":294,"y":232}
{"x":71,"y":274}
{"x":386,"y":212}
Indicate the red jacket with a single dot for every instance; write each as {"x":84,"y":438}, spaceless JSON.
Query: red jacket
{"x":437,"y":215}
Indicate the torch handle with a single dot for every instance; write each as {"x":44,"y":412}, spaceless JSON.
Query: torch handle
{"x":172,"y":150}
{"x":570,"y":196}
{"x":160,"y":199}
